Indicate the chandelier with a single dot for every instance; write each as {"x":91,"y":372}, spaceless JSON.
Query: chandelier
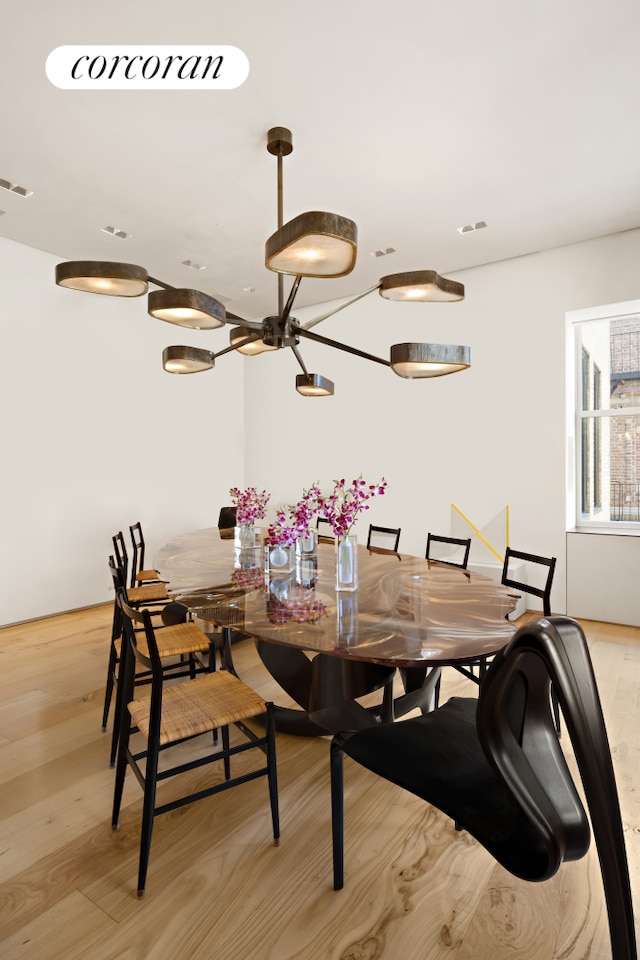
{"x":313,"y":244}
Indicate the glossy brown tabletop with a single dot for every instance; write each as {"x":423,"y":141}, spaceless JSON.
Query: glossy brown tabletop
{"x":406,"y":612}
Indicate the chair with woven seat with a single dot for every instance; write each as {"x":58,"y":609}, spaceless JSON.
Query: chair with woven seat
{"x":144,"y":594}
{"x":180,"y":644}
{"x":434,"y":551}
{"x":175,"y":713}
{"x":494,"y":764}
{"x":383,"y":539}
{"x":138,"y":572}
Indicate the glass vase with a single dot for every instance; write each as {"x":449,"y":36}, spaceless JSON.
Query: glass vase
{"x":246,"y":547}
{"x":307,"y":559}
{"x":279,"y":559}
{"x":307,"y":547}
{"x":245,"y":536}
{"x":347,"y":562}
{"x":347,"y":620}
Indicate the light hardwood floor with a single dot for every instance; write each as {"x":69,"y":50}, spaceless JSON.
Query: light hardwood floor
{"x":218,"y":889}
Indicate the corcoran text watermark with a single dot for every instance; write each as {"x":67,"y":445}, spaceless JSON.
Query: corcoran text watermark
{"x":147,"y":67}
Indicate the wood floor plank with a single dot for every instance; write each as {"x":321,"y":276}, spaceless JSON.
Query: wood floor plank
{"x":51,"y":935}
{"x":218,"y":888}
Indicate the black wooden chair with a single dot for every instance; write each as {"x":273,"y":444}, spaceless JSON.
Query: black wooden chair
{"x":543,"y":592}
{"x":434,"y":552}
{"x":138,"y":572}
{"x":145,"y":594}
{"x":535,"y":563}
{"x":383,"y":539}
{"x":184,"y":649}
{"x":178,"y":712}
{"x":226,"y":522}
{"x":496,"y":767}
{"x":325,"y":530}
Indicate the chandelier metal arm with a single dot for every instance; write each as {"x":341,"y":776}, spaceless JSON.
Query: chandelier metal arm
{"x":334,"y":310}
{"x":290,"y":299}
{"x":296,"y":354}
{"x":230,"y":349}
{"x":303,"y":332}
{"x":160,"y":283}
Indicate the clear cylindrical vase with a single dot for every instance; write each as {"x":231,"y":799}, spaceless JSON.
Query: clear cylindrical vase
{"x":245,"y":536}
{"x":246,"y":547}
{"x":347,"y":562}
{"x":307,"y":559}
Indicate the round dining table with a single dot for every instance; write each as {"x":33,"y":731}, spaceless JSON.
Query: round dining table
{"x":328,"y":648}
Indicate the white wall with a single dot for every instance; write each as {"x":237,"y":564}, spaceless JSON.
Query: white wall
{"x":490,"y":436}
{"x":82,"y":374}
{"x":96,"y":436}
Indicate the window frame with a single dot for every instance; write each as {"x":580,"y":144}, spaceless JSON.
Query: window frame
{"x":581,"y":394}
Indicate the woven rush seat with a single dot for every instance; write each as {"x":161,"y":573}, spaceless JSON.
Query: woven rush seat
{"x":175,"y":641}
{"x":199,"y":706}
{"x":147,"y":593}
{"x":178,"y":640}
{"x":150,"y":574}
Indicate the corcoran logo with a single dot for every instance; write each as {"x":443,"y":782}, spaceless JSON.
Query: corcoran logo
{"x":147,"y":67}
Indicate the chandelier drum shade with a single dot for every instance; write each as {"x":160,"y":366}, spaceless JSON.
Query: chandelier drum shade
{"x":415,"y":360}
{"x":110,"y":279}
{"x":313,"y":244}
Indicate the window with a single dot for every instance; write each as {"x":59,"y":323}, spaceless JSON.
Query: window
{"x":607,"y":418}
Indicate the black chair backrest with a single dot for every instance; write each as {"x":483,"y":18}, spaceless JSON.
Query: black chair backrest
{"x":137,"y":541}
{"x":324,"y":528}
{"x":149,"y":657}
{"x":465,"y":543}
{"x":227,"y":518}
{"x":516,"y":729}
{"x":544,"y":592}
{"x":120,"y":553}
{"x":386,"y":532}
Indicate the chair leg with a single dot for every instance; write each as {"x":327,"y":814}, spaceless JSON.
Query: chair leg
{"x":388,"y":712}
{"x":272,"y":773}
{"x":116,"y":634}
{"x":121,"y":714}
{"x":337,"y":814}
{"x":108,"y":693}
{"x":225,"y":747}
{"x":122,"y":729}
{"x":148,"y":811}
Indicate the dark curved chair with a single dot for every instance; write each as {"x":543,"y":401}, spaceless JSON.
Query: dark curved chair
{"x":496,"y":767}
{"x":431,"y":552}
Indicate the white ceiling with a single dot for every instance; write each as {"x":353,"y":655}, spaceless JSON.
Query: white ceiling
{"x":410,"y":117}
